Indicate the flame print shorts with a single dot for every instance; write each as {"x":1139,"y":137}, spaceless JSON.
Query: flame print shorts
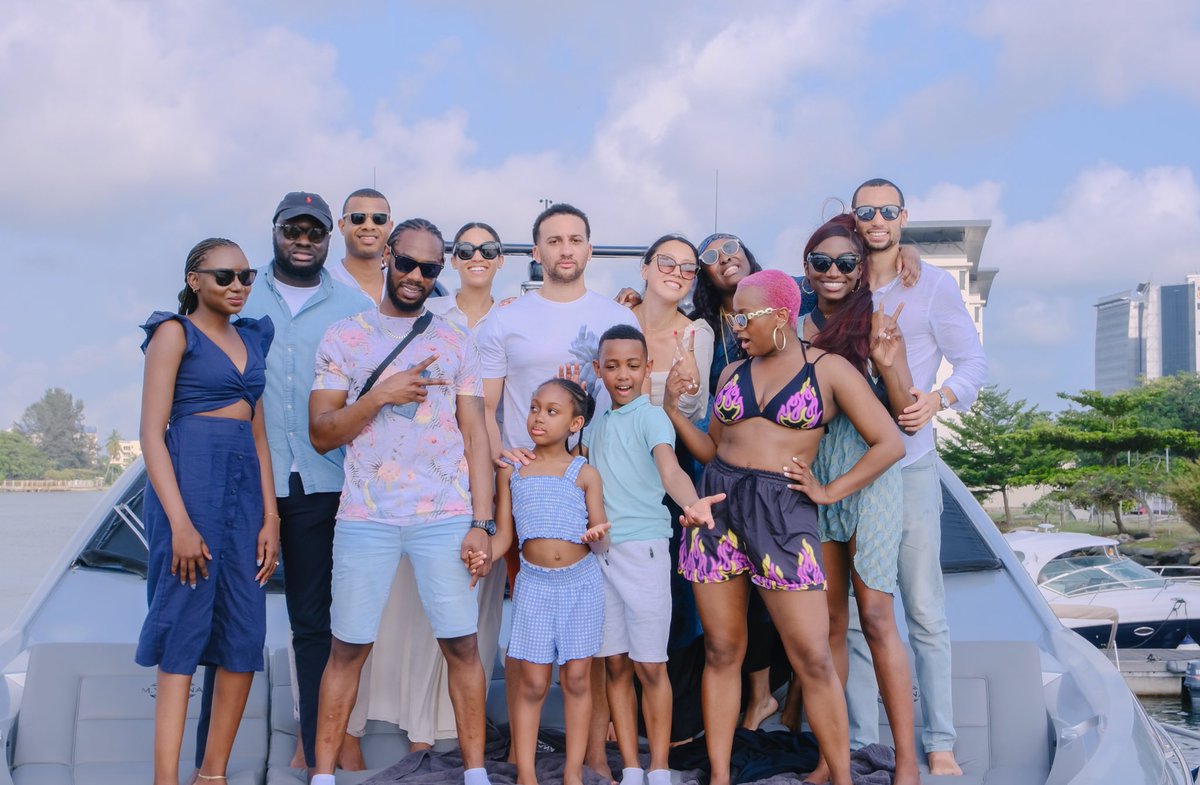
{"x":763,"y":527}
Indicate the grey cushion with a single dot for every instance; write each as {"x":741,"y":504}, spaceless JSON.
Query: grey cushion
{"x":999,"y":713}
{"x":87,"y":718}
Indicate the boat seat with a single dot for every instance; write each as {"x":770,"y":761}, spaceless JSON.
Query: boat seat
{"x":999,"y":713}
{"x":87,"y":718}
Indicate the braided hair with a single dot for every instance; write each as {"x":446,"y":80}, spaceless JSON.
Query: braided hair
{"x":581,"y":401}
{"x":188,"y":298}
{"x":415,"y":225}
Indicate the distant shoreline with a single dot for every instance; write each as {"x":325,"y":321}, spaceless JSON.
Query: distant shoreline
{"x":51,"y":486}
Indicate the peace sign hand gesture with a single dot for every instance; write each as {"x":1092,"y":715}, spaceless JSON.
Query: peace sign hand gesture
{"x":886,"y":338}
{"x":685,"y":373}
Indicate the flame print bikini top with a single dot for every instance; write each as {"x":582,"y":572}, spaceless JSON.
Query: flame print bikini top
{"x":798,"y":405}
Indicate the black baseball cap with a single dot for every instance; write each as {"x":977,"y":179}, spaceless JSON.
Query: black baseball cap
{"x":303,"y":203}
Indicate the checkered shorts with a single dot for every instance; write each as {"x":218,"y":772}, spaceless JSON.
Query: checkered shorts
{"x":557,"y":613}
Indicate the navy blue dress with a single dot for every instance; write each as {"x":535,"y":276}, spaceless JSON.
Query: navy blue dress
{"x":222,"y":621}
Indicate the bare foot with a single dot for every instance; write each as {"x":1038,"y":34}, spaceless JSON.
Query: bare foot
{"x":418,"y":746}
{"x":298,"y":761}
{"x":599,"y":766}
{"x":350,"y":757}
{"x":819,"y":775}
{"x":942,"y":763}
{"x":759,"y":713}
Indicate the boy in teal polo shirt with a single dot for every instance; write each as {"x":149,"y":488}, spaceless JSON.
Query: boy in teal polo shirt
{"x":633,"y":447}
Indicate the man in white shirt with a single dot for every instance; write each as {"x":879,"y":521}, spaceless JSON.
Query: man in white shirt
{"x":935,"y":324}
{"x":531,"y":340}
{"x":366,"y":224}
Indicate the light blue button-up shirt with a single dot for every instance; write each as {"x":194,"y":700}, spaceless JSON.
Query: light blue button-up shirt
{"x":290,"y":371}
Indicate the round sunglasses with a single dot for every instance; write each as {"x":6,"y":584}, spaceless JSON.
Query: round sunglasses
{"x":866,"y":212}
{"x":358,"y":219}
{"x":729,"y":248}
{"x":821,"y":262}
{"x":489,"y":250}
{"x":223,"y":276}
{"x":667,"y":264}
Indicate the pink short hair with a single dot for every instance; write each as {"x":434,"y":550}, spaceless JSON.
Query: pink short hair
{"x":777,"y":289}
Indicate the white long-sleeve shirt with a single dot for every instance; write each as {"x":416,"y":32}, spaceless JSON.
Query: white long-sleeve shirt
{"x":935,"y":324}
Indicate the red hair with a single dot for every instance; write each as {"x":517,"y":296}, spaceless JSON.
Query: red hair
{"x":848,"y":331}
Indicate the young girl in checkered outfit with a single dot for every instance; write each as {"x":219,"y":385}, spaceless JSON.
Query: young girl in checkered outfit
{"x":558,"y":598}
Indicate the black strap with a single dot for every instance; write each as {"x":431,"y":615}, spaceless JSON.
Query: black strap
{"x":417,"y":328}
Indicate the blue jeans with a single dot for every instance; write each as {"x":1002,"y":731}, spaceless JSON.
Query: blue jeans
{"x":924,"y":598}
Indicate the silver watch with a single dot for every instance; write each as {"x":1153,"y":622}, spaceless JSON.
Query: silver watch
{"x":489,"y":526}
{"x":942,"y":397}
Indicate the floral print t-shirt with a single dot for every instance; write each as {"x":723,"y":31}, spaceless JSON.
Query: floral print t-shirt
{"x":407,"y":465}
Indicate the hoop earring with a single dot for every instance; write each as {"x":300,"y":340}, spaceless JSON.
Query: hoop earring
{"x":804,"y":282}
{"x":857,"y":284}
{"x":775,"y":339}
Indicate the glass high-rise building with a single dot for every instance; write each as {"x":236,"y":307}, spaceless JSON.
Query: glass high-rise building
{"x":1145,"y":333}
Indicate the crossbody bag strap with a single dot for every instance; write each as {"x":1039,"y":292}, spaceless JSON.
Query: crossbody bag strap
{"x":417,"y":328}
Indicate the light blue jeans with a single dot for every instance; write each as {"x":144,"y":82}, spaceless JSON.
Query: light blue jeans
{"x":924,"y":598}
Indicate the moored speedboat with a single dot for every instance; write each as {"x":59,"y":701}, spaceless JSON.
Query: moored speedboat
{"x":1152,"y":611}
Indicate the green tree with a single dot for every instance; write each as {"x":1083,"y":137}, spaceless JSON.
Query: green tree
{"x":1169,"y":402}
{"x":1184,"y":490}
{"x":112,"y":447}
{"x":985,"y":452}
{"x":1105,"y":435}
{"x":19,"y":459}
{"x":55,"y":426}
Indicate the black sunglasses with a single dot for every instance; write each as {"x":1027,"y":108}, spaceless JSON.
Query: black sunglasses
{"x":406,"y":264}
{"x":292,"y":232}
{"x":821,"y":262}
{"x":489,"y":250}
{"x":358,"y":219}
{"x":224,"y":276}
{"x":729,"y":248}
{"x":667,"y":264}
{"x":890,"y":212}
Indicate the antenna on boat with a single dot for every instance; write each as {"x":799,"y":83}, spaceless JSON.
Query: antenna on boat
{"x":716,"y":197}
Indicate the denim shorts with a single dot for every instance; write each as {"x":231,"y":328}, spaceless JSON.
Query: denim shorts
{"x":365,"y":557}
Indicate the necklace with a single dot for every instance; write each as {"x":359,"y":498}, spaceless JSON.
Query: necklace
{"x":383,"y":320}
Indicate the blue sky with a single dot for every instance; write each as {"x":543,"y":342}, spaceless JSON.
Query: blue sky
{"x":134,"y":129}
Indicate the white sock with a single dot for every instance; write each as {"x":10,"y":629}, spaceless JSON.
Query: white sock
{"x":659,"y":777}
{"x":323,"y":779}
{"x":632,"y":776}
{"x":476,"y":777}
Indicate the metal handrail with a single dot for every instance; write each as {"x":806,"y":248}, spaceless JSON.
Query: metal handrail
{"x":134,"y":523}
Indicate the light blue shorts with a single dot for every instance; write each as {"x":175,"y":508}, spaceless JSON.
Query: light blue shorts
{"x":365,"y":557}
{"x":557,"y":613}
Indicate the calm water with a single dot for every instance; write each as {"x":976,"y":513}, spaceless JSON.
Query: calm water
{"x":33,"y":529}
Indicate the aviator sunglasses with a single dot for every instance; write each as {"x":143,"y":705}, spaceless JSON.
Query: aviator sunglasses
{"x":358,"y":219}
{"x":292,"y":232}
{"x":406,"y":264}
{"x":821,"y":262}
{"x":729,"y":248}
{"x":224,"y":276}
{"x":890,"y":212}
{"x":489,"y":250}
{"x":739,"y":321}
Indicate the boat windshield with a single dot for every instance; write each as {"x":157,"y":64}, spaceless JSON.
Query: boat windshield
{"x":1098,"y":569}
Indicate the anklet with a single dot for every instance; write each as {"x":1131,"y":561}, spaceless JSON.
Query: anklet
{"x":210,"y":777}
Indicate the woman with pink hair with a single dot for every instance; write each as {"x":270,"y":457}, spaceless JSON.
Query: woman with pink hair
{"x":767,"y":409}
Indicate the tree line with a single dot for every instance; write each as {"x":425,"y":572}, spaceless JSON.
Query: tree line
{"x":50,"y":441}
{"x":1113,"y":452}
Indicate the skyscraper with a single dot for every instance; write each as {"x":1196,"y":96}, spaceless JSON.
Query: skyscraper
{"x":1147,"y":332}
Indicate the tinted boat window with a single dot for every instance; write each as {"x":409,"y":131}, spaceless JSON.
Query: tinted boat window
{"x":963,"y":547}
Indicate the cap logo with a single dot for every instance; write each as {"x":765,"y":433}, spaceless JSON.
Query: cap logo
{"x":308,"y":199}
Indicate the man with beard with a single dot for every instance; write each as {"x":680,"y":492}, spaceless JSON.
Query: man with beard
{"x":400,"y":388}
{"x":935,"y":324}
{"x":301,"y":298}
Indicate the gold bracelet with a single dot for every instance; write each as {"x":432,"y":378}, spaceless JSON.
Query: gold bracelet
{"x":274,"y":515}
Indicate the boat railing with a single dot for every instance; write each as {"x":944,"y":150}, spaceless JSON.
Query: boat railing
{"x":1186,"y":573}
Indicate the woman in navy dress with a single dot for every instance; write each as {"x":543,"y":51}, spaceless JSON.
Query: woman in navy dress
{"x":211,"y":519}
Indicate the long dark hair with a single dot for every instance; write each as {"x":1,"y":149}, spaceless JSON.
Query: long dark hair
{"x":848,"y":331}
{"x":707,"y":300}
{"x":189,"y":299}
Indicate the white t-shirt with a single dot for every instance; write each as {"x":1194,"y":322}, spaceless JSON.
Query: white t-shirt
{"x":296,"y":296}
{"x":447,"y":307}
{"x":525,"y":343}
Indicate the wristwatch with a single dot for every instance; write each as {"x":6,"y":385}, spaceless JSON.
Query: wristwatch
{"x":488,"y":526}
{"x":942,"y":397}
